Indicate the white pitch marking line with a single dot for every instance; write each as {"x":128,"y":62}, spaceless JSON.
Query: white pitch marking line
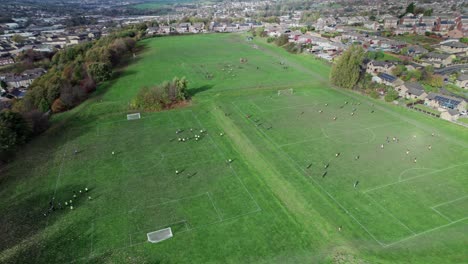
{"x":460,"y":198}
{"x":425,"y":232}
{"x":444,"y":216}
{"x":389,"y":213}
{"x":412,"y":178}
{"x":216,"y":209}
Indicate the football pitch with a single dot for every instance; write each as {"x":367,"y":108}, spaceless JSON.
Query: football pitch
{"x":243,"y":174}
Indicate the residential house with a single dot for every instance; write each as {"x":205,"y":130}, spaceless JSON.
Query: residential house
{"x":412,"y":90}
{"x":422,"y":28}
{"x":450,"y":115}
{"x":152,"y":31}
{"x":445,"y":25}
{"x":218,"y":27}
{"x":197,"y":27}
{"x":388,"y":79}
{"x":416,"y":50}
{"x":409,"y":20}
{"x":436,"y":100}
{"x":430,"y":21}
{"x":455,"y":34}
{"x":183,"y":27}
{"x":454,"y":47}
{"x":165,"y":30}
{"x":391,"y":23}
{"x":6,"y":61}
{"x":462,"y":81}
{"x":437,"y":59}
{"x":17,"y":93}
{"x":245,"y":27}
{"x":376,"y":67}
{"x":402,"y":29}
{"x":372,"y":25}
{"x":24,"y":79}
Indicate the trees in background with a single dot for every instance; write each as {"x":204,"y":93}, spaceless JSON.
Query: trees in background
{"x":75,"y":71}
{"x":346,"y":71}
{"x":14,"y":131}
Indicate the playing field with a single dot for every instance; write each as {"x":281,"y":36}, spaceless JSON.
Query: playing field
{"x":317,"y":176}
{"x":156,"y":4}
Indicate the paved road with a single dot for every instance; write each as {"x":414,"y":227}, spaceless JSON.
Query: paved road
{"x":450,"y":69}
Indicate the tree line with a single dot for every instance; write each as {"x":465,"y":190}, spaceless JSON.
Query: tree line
{"x":72,"y":74}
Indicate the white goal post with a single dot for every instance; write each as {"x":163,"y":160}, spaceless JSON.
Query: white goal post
{"x":133,"y":116}
{"x":289,"y":91}
{"x":160,"y":235}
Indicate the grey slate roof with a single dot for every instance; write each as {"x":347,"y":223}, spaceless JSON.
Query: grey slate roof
{"x":414,"y":88}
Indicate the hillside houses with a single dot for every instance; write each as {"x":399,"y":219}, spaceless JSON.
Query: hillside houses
{"x":462,"y":81}
{"x":454,"y":47}
{"x":387,"y":79}
{"x":437,"y":100}
{"x":411,"y":90}
{"x":22,"y":80}
{"x":376,"y":67}
{"x":437,"y":59}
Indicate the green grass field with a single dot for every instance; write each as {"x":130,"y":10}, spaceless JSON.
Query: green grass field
{"x":272,"y":203}
{"x":156,"y":4}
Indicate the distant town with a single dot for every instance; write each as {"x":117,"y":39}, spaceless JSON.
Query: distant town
{"x":427,"y":36}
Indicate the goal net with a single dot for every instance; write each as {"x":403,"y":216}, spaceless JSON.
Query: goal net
{"x":285,"y":92}
{"x":160,"y":235}
{"x":133,"y":116}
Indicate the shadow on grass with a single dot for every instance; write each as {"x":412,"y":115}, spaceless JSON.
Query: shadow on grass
{"x":193,"y":91}
{"x":23,"y":215}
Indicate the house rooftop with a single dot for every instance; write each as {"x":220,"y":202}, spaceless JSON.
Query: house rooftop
{"x":387,"y":77}
{"x":455,"y":44}
{"x":382,"y":63}
{"x":414,"y":88}
{"x":463,"y":77}
{"x":434,"y":55}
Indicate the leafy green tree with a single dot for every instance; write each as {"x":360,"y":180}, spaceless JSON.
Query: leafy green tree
{"x":374,"y":94}
{"x":410,"y":8}
{"x":346,"y":71}
{"x":18,"y":39}
{"x":161,"y":96}
{"x":428,"y":12}
{"x":399,"y":70}
{"x":14,"y":131}
{"x":282,"y":40}
{"x":100,"y":72}
{"x":391,"y":95}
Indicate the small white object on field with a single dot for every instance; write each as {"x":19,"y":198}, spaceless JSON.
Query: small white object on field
{"x":71,"y":207}
{"x":221,"y":134}
{"x":177,"y":172}
{"x":229,"y":160}
{"x":382,"y":146}
{"x":113,"y":152}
